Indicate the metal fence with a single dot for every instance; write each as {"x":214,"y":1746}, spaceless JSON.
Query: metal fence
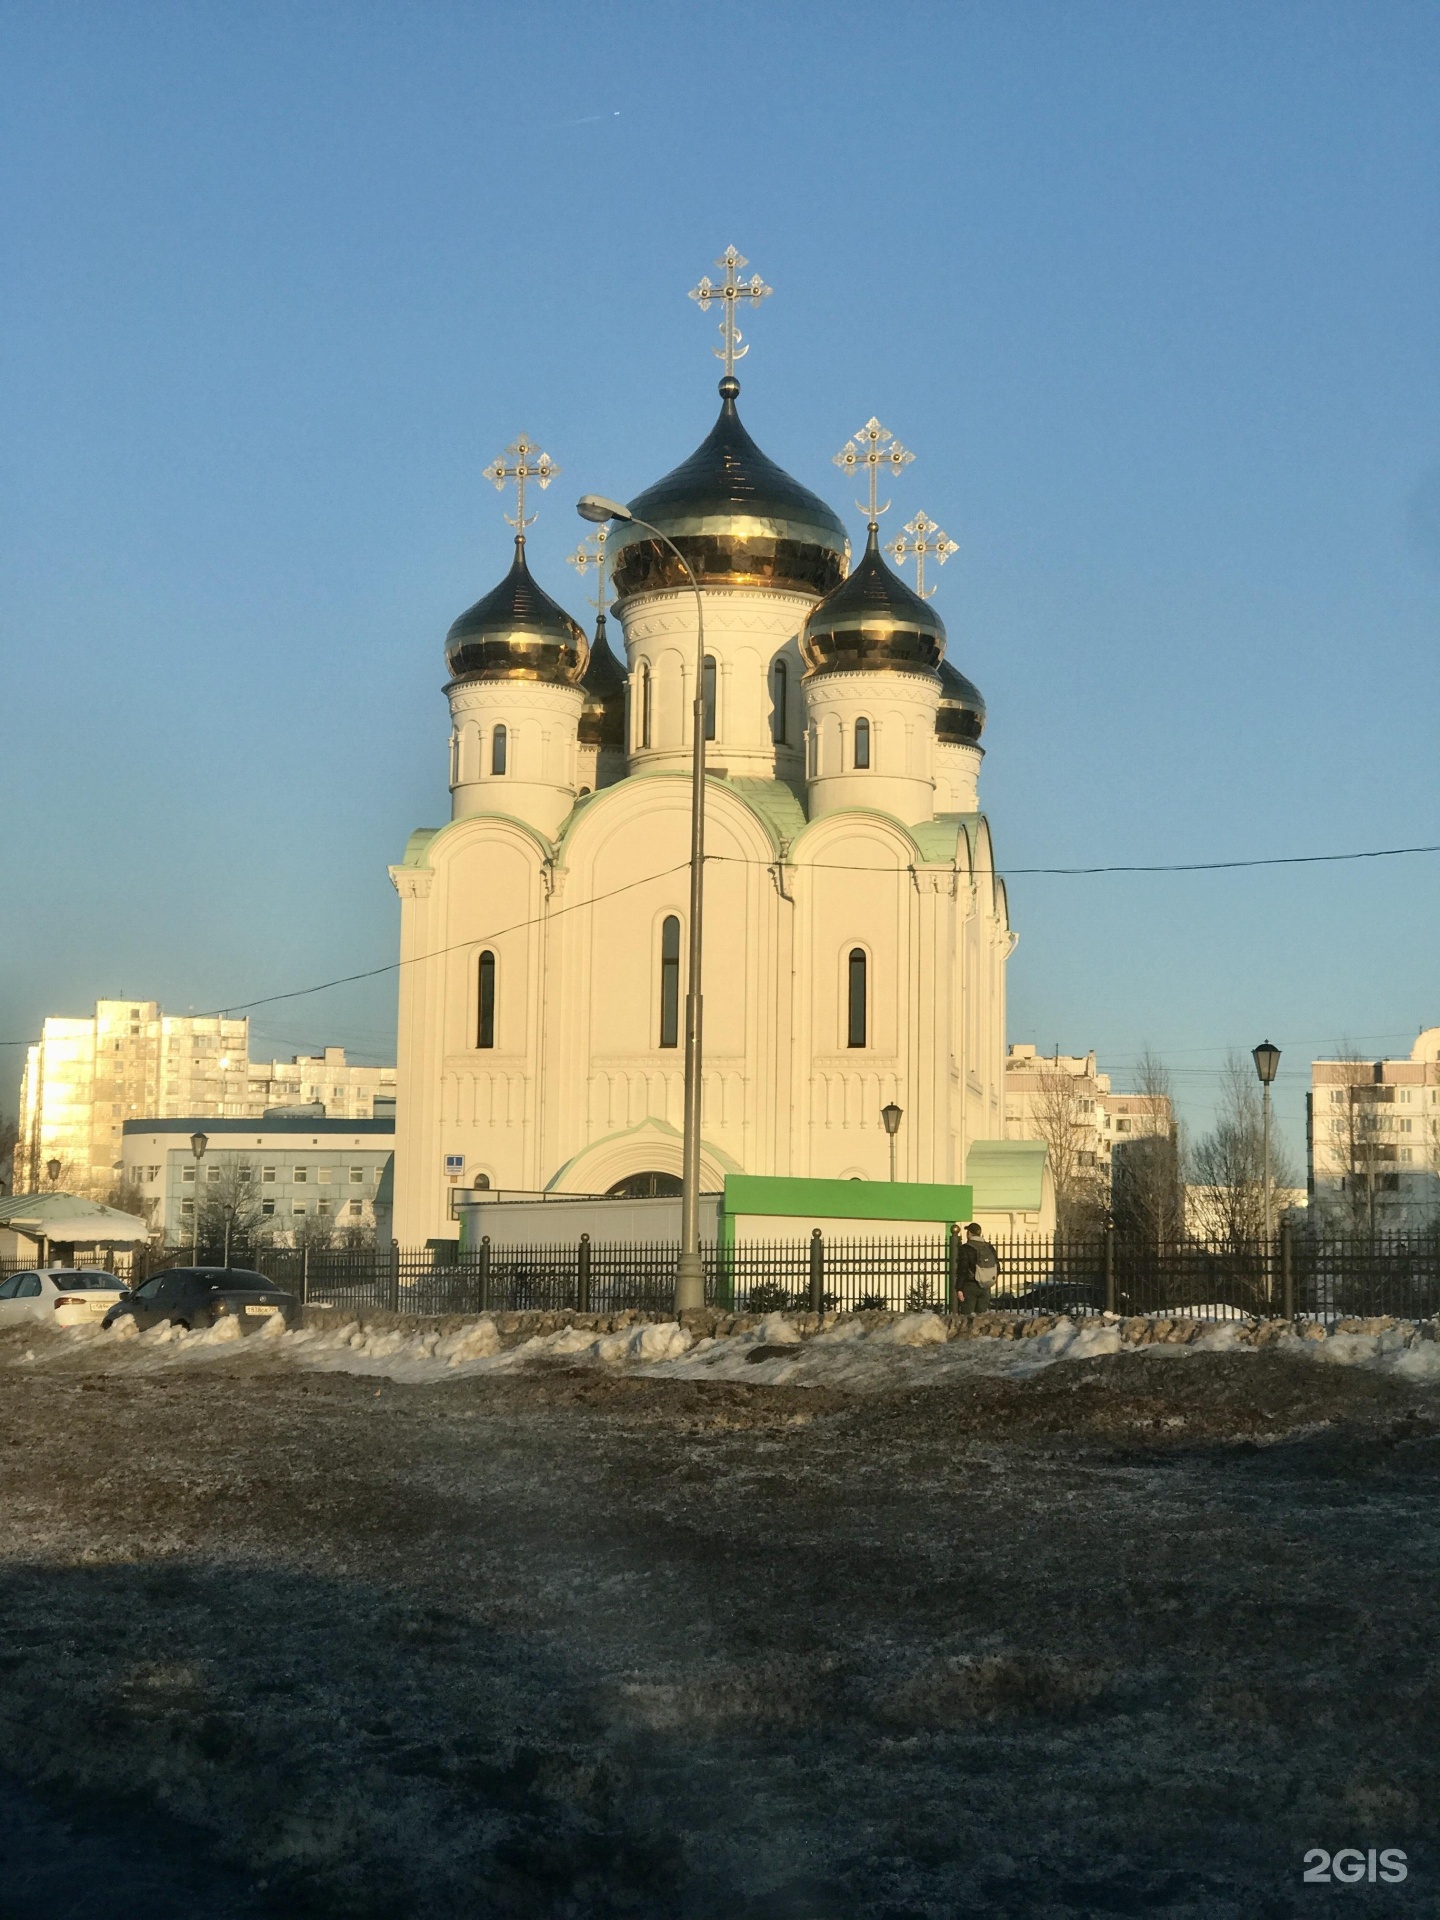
{"x":1323,"y":1277}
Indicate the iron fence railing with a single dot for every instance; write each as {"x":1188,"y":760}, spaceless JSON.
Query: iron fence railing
{"x":1327,"y":1277}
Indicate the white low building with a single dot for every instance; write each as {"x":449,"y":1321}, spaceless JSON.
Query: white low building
{"x":287,"y":1180}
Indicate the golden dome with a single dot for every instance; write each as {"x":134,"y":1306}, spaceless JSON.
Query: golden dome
{"x":873,"y":623}
{"x":602,"y":717}
{"x":738,"y":519}
{"x":960,"y":717}
{"x":517,"y":633}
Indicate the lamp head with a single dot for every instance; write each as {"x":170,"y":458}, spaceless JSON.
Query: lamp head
{"x":595,"y":507}
{"x":891,"y":1115}
{"x":1267,"y":1061}
{"x":52,"y":1167}
{"x":198,"y":1144}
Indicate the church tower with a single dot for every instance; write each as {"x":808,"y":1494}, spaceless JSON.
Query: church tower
{"x":516,"y":664}
{"x":856,"y":931}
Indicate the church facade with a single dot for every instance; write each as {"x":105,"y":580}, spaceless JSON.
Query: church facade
{"x":856,"y":931}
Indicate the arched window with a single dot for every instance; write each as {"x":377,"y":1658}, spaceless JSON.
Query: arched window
{"x":670,"y":982}
{"x":481,"y":1183}
{"x":499,"y":750}
{"x":646,"y":703}
{"x":454,"y":759}
{"x":780,"y":684}
{"x":485,"y":1024}
{"x":708,"y":686}
{"x":857,"y":998}
{"x":862,"y":744}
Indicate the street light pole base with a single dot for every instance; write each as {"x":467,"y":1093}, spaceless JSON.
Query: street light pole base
{"x":689,"y":1283}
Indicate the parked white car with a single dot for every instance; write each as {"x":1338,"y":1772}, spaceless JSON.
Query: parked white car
{"x":59,"y":1296}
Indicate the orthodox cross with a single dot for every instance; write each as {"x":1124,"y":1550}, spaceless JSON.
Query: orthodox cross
{"x":873,"y":450}
{"x":525,"y":463}
{"x":591,"y":553}
{"x":925,"y":540}
{"x":729,"y":293}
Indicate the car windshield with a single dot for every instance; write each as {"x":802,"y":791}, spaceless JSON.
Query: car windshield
{"x":79,"y":1282}
{"x":241,"y":1282}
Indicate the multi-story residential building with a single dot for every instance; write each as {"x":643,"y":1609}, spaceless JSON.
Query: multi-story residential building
{"x":1106,"y":1150}
{"x":85,"y":1078}
{"x":281,"y":1181}
{"x":1048,"y":1091}
{"x":1372,"y":1138}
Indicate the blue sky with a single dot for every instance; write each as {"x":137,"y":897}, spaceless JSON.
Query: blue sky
{"x":1152,"y":291}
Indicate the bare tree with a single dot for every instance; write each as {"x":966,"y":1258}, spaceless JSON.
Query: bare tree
{"x":1147,"y":1191}
{"x":1227,"y":1165}
{"x":1063,"y":1115}
{"x":229,"y":1205}
{"x":11,"y":1157}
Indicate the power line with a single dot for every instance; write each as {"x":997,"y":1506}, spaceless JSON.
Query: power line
{"x":1177,"y":866}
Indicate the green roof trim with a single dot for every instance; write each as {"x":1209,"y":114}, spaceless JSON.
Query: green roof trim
{"x":754,"y":1193}
{"x":417,"y":846}
{"x":776,"y":803}
{"x":1006,"y":1175}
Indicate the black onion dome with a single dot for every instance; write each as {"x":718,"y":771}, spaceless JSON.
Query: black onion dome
{"x":738,"y":519}
{"x":960,"y":717}
{"x":516,"y":633}
{"x":602,"y":717}
{"x":873,"y":623}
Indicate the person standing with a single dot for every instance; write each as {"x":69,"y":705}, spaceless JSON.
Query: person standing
{"x":977,"y":1268}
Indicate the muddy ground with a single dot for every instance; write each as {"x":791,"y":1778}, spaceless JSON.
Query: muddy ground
{"x":1127,"y":1638}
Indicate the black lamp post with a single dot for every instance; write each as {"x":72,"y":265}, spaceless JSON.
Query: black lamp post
{"x":892,"y":1117}
{"x":1267,"y":1064}
{"x":198,"y":1144}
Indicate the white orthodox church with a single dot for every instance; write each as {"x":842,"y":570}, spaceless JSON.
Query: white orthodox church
{"x":856,"y":931}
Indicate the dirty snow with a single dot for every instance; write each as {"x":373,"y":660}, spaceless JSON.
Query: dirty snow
{"x":855,"y":1354}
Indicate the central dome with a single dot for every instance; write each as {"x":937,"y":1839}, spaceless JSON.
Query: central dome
{"x":738,"y":519}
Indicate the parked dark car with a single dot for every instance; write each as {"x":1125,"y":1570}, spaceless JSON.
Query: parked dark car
{"x":199,"y":1296}
{"x":1055,"y":1296}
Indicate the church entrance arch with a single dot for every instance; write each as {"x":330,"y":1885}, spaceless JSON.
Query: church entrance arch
{"x":646,"y":1186}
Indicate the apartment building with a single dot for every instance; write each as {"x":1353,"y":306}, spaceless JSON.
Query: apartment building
{"x":85,"y":1078}
{"x":1064,"y":1099}
{"x":1372,"y":1139}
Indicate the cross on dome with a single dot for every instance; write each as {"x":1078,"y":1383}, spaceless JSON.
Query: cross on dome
{"x":591,"y":553}
{"x":526,"y":463}
{"x":730,"y":291}
{"x":926,"y":540}
{"x":873,"y":449}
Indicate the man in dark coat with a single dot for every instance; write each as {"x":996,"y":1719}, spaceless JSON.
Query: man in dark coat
{"x":977,"y":1268}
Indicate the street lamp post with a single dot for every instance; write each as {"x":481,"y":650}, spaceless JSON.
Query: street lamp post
{"x":689,"y":1278}
{"x":1267,"y":1064}
{"x":198,"y":1144}
{"x":892,"y":1117}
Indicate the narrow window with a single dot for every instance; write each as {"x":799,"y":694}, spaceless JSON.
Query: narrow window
{"x":857,"y":998}
{"x":862,"y":751}
{"x":498,"y":747}
{"x":780,"y":676}
{"x":708,"y":688}
{"x":485,"y":1030}
{"x":646,"y":707}
{"x":670,"y":982}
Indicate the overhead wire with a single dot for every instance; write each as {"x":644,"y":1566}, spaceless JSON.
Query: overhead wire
{"x":828,"y":866}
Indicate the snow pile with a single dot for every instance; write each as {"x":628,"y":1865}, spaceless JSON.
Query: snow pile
{"x":861,"y":1353}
